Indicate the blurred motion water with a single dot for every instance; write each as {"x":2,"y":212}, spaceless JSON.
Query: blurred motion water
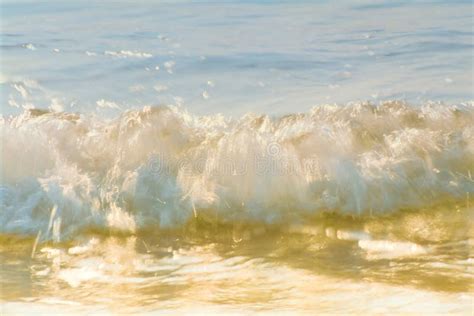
{"x":334,"y":265}
{"x":236,"y":157}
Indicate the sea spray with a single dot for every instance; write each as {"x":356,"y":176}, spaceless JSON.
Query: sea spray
{"x":161,"y":166}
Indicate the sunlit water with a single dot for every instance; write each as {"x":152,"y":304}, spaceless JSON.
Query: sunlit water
{"x":233,"y":57}
{"x":412,"y":263}
{"x":135,"y":180}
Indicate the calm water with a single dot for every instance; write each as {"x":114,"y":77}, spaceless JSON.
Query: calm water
{"x":236,"y":157}
{"x":260,"y":56}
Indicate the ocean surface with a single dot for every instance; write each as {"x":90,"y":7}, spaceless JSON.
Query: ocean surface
{"x":236,"y":157}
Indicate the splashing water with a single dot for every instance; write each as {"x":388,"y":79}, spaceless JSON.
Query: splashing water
{"x":160,"y":167}
{"x":110,"y":204}
{"x":375,"y":193}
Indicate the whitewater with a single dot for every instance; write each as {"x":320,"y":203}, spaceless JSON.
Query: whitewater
{"x":236,"y":157}
{"x":158,"y":197}
{"x":161,"y":166}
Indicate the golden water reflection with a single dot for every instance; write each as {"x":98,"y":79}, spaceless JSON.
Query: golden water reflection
{"x":408,"y":263}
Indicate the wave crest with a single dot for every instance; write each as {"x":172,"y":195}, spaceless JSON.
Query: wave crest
{"x":161,"y":166}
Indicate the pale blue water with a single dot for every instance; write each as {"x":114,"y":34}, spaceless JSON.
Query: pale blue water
{"x":261,"y":56}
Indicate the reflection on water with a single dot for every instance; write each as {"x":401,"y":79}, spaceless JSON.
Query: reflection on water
{"x":93,"y":174}
{"x":409,"y":262}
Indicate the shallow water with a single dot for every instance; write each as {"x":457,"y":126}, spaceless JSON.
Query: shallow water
{"x":135,"y":180}
{"x":411,"y":262}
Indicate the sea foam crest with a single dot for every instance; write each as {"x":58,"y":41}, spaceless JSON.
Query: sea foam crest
{"x":161,"y":166}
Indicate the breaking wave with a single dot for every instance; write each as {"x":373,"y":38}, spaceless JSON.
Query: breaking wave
{"x":161,"y":166}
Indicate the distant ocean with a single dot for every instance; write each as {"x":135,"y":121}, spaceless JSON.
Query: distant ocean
{"x":236,"y":157}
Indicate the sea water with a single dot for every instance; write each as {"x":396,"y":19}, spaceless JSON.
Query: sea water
{"x":236,"y":157}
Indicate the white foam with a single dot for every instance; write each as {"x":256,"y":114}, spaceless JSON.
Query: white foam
{"x":56,"y":105}
{"x":352,"y":235}
{"x":107,"y":104}
{"x":163,"y":166}
{"x":128,"y":53}
{"x":391,"y":249}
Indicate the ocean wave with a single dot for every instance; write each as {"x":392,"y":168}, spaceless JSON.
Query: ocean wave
{"x":161,"y":166}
